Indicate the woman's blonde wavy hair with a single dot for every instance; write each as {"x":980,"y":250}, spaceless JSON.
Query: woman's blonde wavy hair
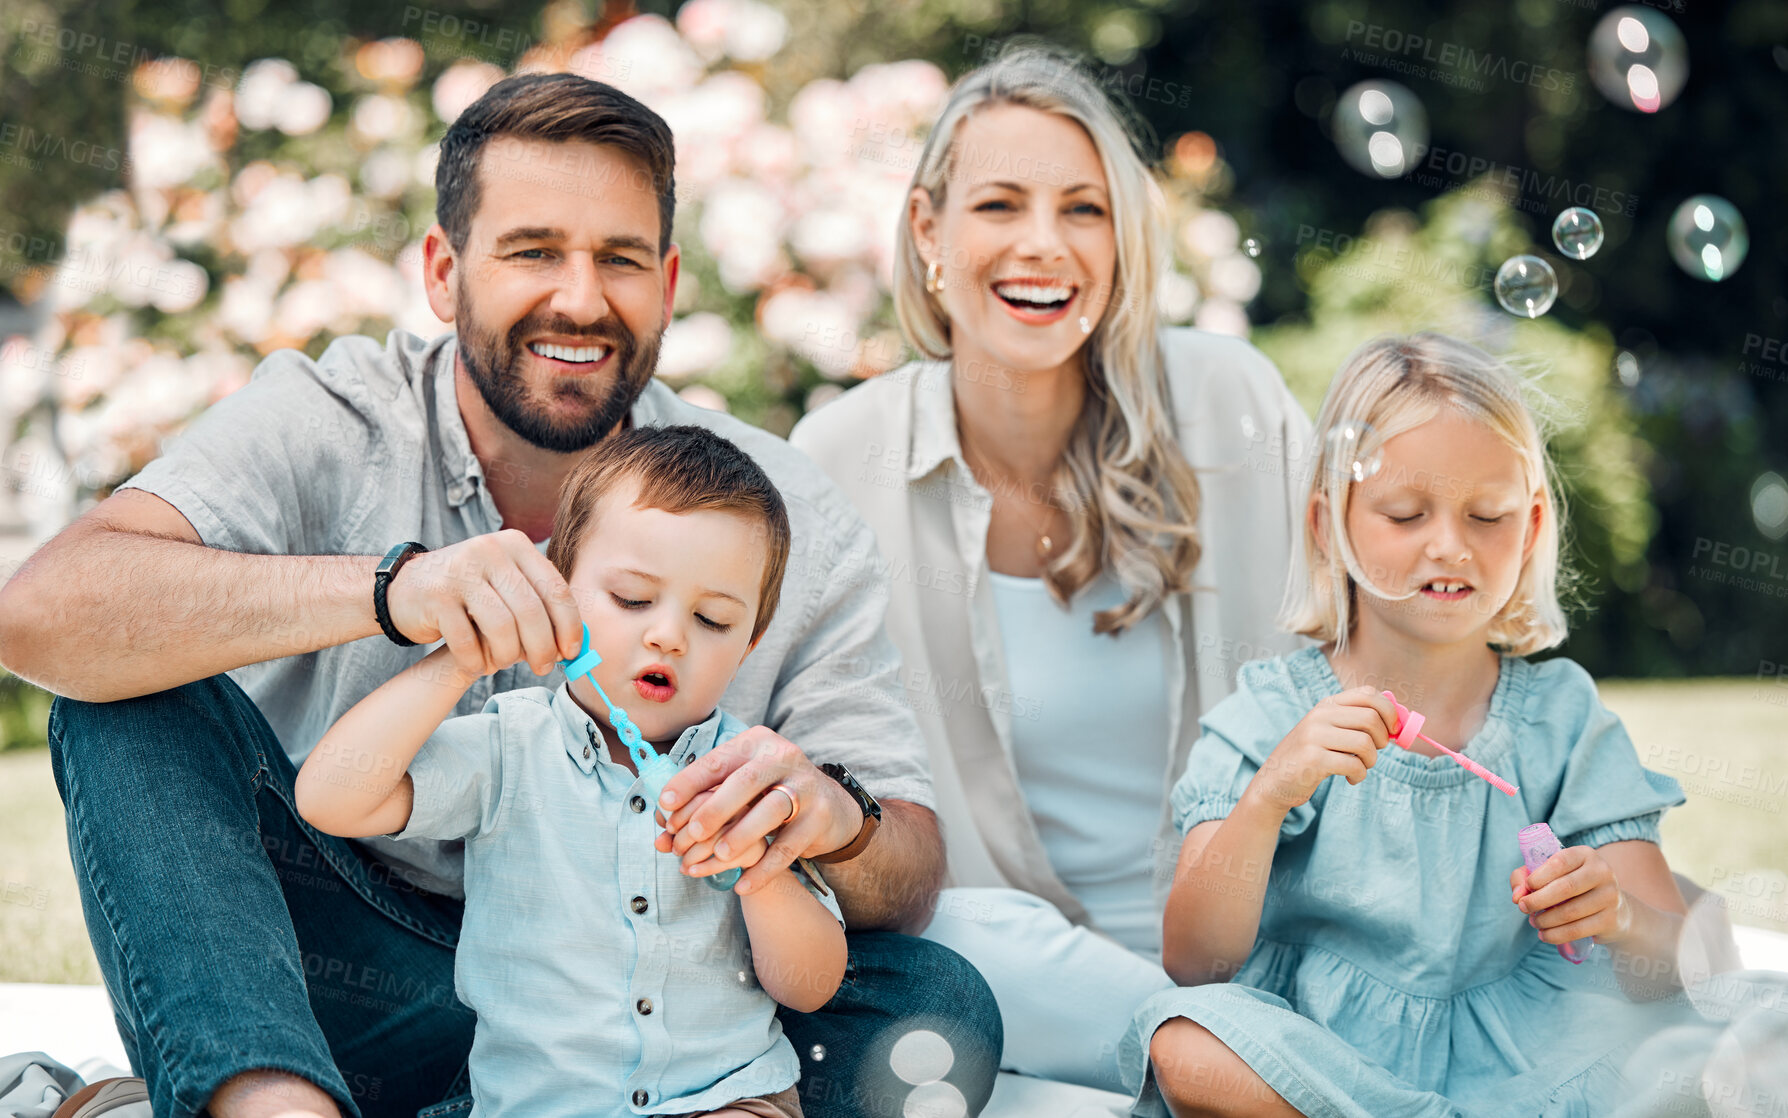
{"x":1129,"y":494}
{"x":1387,"y":387}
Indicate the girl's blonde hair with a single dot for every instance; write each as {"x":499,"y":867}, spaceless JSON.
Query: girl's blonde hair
{"x":1129,"y":494}
{"x":1389,"y":386}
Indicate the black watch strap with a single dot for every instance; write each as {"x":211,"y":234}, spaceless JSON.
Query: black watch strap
{"x":388,"y":568}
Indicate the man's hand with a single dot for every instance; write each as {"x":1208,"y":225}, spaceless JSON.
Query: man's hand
{"x":494,"y":599}
{"x":719,"y":812}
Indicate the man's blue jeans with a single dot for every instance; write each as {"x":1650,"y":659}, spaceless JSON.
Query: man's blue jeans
{"x":233,"y":936}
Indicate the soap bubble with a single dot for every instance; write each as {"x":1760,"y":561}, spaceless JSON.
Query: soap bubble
{"x":1578,"y":233}
{"x":1707,"y":237}
{"x":818,"y":1052}
{"x":1769,"y":505}
{"x":934,"y":1100}
{"x":1626,"y":367}
{"x":1637,"y":58}
{"x":1526,"y":285}
{"x":921,"y":1056}
{"x":1353,"y":450}
{"x":1381,"y":129}
{"x":1251,"y":247}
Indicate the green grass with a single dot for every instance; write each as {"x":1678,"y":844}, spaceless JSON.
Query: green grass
{"x":1726,"y":740}
{"x":42,"y":935}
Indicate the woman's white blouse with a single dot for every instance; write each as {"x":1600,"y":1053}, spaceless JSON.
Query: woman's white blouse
{"x":1091,"y":744}
{"x":891,"y":445}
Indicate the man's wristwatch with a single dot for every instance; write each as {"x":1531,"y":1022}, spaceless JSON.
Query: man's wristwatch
{"x":388,"y":568}
{"x":872,"y":816}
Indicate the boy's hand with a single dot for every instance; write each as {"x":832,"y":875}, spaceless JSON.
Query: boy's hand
{"x":1341,"y":736}
{"x":1573,"y":896}
{"x":494,"y":599}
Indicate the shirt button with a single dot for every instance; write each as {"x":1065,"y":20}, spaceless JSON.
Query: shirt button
{"x":637,"y":803}
{"x":644,"y":1005}
{"x":586,"y":753}
{"x":641,"y":1098}
{"x":639,"y":905}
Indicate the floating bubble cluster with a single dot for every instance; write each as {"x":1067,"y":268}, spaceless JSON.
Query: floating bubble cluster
{"x":1353,"y":450}
{"x":1638,"y":59}
{"x":1381,"y":129}
{"x":1526,"y":285}
{"x":1707,"y":237}
{"x":1251,"y":247}
{"x":1577,"y":232}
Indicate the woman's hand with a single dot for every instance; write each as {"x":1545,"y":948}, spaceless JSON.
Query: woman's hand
{"x":1341,"y":736}
{"x":1573,"y":896}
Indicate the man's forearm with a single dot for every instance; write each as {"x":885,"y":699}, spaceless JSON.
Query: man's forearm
{"x":893,"y":884}
{"x":120,"y":614}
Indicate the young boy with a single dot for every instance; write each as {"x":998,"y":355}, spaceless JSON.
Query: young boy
{"x":606,"y":981}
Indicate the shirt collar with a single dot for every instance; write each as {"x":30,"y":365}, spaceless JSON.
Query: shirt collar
{"x":461,"y":472}
{"x":584,"y":741}
{"x":934,"y":440}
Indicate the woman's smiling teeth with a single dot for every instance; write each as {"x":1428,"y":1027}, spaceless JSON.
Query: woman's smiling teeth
{"x":1033,"y":296}
{"x":581,"y":355}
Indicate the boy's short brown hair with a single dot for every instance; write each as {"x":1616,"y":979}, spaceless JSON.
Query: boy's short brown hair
{"x":679,"y":469}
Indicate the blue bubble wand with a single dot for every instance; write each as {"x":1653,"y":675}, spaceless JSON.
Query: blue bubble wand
{"x":655,"y":769}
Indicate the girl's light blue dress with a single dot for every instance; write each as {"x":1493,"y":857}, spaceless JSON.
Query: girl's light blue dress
{"x":1392,"y":975}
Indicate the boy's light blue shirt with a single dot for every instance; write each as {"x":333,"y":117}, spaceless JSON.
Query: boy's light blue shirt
{"x":604,"y":979}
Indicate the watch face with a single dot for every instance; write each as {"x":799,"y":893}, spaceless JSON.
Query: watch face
{"x":864,"y":800}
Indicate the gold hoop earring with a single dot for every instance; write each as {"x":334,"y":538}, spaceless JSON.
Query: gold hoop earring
{"x":934,"y":280}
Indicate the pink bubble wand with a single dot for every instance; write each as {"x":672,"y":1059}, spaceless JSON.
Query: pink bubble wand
{"x":1409,"y":728}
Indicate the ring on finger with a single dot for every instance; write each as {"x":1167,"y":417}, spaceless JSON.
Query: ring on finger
{"x":794,"y":802}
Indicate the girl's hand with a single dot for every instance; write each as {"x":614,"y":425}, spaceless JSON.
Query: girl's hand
{"x":1573,"y":896}
{"x":1341,"y":736}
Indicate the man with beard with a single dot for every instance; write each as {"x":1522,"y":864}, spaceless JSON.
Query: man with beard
{"x":208,"y":621}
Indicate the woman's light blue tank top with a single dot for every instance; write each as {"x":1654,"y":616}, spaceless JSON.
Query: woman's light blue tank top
{"x":1092,"y":750}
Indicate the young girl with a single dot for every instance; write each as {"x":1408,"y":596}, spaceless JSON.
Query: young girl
{"x":607,"y":981}
{"x":1369,"y":945}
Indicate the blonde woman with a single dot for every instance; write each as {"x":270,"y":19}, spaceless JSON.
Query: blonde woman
{"x":1086,"y":520}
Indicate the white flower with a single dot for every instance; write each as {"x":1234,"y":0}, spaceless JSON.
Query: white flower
{"x":741,"y":225}
{"x":307,"y":308}
{"x":1210,"y":234}
{"x":382,"y":117}
{"x":180,"y":285}
{"x":1220,"y":316}
{"x":1235,"y":277}
{"x":246,"y":309}
{"x":644,"y":57}
{"x":1176,"y":296}
{"x":288,"y":211}
{"x":303,"y":108}
{"x":262,"y":88}
{"x":815,"y":324}
{"x":461,"y":84}
{"x":694,"y":344}
{"x":367,"y":286}
{"x":827,"y":235}
{"x":165,"y":151}
{"x":386,"y":172}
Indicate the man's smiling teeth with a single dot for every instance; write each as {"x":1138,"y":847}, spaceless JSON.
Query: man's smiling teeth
{"x":580,"y":355}
{"x":1033,"y":293}
{"x":1451,"y":587}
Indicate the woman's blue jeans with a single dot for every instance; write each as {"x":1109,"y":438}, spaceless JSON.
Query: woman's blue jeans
{"x":234,"y":936}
